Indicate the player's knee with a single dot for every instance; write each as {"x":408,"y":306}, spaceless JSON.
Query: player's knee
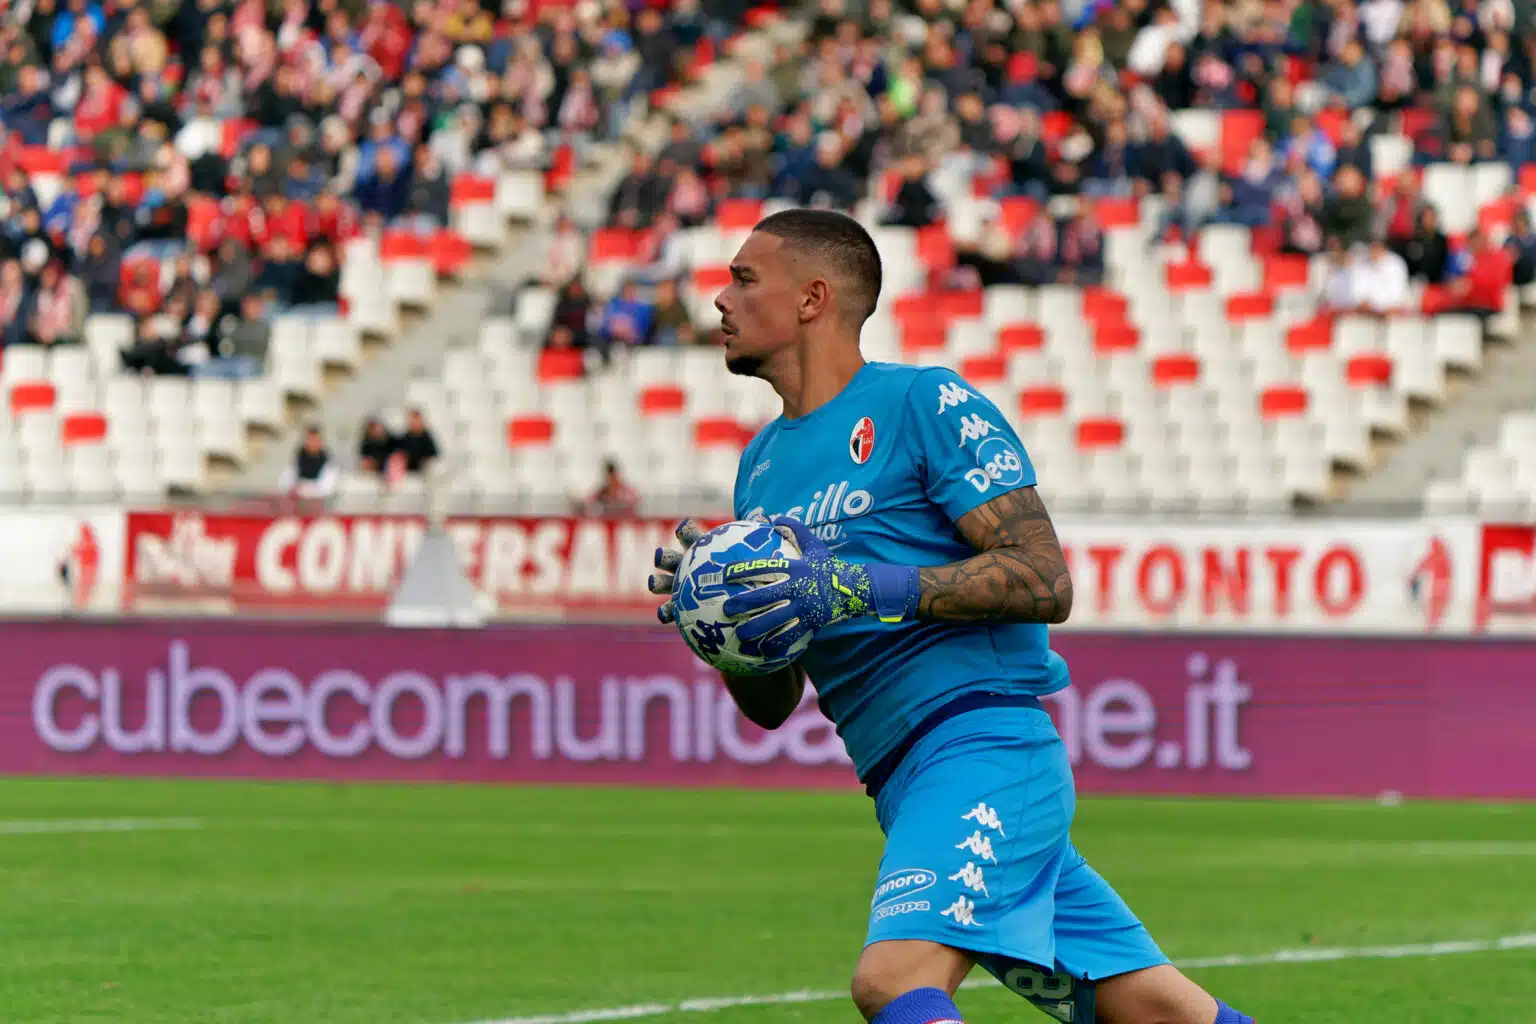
{"x":889,"y":970}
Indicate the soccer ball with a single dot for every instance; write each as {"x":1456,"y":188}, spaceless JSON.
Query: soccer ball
{"x":701,"y":590}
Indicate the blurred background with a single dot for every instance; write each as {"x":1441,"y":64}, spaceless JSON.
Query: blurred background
{"x":358,"y":354}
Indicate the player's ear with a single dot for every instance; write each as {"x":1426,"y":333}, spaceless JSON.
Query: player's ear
{"x":815,"y":298}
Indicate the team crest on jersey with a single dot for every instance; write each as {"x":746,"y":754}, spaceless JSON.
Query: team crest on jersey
{"x":861,"y":444}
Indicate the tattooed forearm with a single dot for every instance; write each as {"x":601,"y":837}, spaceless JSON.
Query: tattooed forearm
{"x":1018,"y":575}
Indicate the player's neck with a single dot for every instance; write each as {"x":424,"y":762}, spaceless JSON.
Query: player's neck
{"x":811,"y":376}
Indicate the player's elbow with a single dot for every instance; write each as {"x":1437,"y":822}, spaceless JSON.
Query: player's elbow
{"x":767,"y":701}
{"x":1062,"y":606}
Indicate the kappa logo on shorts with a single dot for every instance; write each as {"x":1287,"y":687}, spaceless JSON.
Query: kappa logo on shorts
{"x":979,"y":845}
{"x":971,"y":877}
{"x":902,"y":884}
{"x":986,"y":817}
{"x":963,"y":912}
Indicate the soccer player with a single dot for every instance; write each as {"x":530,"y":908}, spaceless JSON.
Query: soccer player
{"x":929,"y":572}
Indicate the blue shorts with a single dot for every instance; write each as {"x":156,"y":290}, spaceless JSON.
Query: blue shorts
{"x":978,"y":857}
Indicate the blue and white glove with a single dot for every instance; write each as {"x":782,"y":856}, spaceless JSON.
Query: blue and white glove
{"x":667,"y":560}
{"x":821,"y":589}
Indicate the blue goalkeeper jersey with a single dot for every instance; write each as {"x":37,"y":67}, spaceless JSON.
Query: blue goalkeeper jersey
{"x":882,"y":472}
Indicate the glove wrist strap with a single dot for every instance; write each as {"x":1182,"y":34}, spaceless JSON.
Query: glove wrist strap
{"x":895,"y":591}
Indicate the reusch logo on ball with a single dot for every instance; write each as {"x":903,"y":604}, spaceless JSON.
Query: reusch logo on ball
{"x":861,"y":445}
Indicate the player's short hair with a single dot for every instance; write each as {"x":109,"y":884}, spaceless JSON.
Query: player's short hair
{"x":839,"y":241}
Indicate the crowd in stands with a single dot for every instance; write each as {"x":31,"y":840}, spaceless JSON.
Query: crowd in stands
{"x":1060,"y":111}
{"x":201,"y":165}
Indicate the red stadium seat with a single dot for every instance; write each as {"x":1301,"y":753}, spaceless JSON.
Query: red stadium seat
{"x":719,"y":432}
{"x":1174,"y":369}
{"x":934,"y":248}
{"x":1528,"y":180}
{"x":562,"y":166}
{"x":471,"y":190}
{"x":450,"y":253}
{"x":738,"y":214}
{"x":709,"y":280}
{"x":1042,"y":400}
{"x":530,"y":429}
{"x":920,"y":337}
{"x":557,"y":364}
{"x":958,"y":304}
{"x":42,"y":160}
{"x":610,"y":245}
{"x":916,"y":307}
{"x":83,"y":428}
{"x":1112,"y":212}
{"x":989,"y":369}
{"x":1250,"y":306}
{"x":1310,"y":335}
{"x":1283,"y":401}
{"x":663,"y":400}
{"x":1331,"y":121}
{"x":1369,"y":371}
{"x":402,"y":245}
{"x":1054,"y":126}
{"x":1016,"y":212}
{"x":1109,"y":338}
{"x":1238,"y":130}
{"x":1285,"y":272}
{"x":1021,"y":338}
{"x":1100,"y":432}
{"x":232,"y":133}
{"x":32,"y":396}
{"x":1100,"y":305}
{"x":1266,"y":240}
{"x":1499,"y":214}
{"x":1189,"y":276}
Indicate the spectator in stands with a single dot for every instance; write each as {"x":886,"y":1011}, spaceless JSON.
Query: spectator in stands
{"x":1341,"y":293}
{"x":1469,"y":131}
{"x":312,"y":474}
{"x":1517,"y":139}
{"x":1381,"y":280}
{"x":100,"y":271}
{"x":1354,"y":151}
{"x":239,"y":346}
{"x":626,"y":318}
{"x":13,"y":304}
{"x":640,"y":195}
{"x":386,"y":191}
{"x":1427,"y":251}
{"x":572,"y":315}
{"x":1351,"y":79}
{"x":1347,"y":214}
{"x":1483,"y":272}
{"x":661,"y":256}
{"x":828,"y":183}
{"x":58,"y":308}
{"x":1081,"y":249}
{"x":416,"y":445}
{"x":1162,"y":158}
{"x":689,"y":200}
{"x":915,"y":205}
{"x":280,"y":269}
{"x":317,"y":286}
{"x":1521,"y":245}
{"x":566,"y":254}
{"x":670,"y":318}
{"x":613,"y":497}
{"x":376,"y":446}
{"x":1399,"y":214}
{"x":1248,"y":198}
{"x":1191,"y":202}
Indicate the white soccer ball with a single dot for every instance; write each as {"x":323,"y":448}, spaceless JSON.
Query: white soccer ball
{"x":701,"y":589}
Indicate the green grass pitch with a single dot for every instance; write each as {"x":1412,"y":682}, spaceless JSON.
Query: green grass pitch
{"x":302,"y":904}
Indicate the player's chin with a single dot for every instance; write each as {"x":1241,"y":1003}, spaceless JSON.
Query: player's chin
{"x":739,"y":364}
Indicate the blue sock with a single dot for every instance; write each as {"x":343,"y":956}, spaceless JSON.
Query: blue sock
{"x":1226,"y":1015}
{"x":921,"y":1006}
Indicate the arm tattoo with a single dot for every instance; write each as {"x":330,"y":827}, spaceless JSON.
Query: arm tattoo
{"x":1018,"y":575}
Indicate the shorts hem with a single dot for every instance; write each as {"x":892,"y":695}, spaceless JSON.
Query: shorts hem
{"x":979,"y":949}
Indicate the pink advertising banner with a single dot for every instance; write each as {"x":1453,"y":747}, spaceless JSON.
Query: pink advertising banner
{"x":572,"y":704}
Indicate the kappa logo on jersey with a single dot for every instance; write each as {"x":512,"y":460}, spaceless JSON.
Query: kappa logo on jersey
{"x":996,"y":463}
{"x":971,"y":877}
{"x":897,"y":909}
{"x":963,"y":912}
{"x":951,"y":395}
{"x":974,"y":428}
{"x":861,"y":443}
{"x":829,"y":508}
{"x":986,"y":817}
{"x":758,"y":470}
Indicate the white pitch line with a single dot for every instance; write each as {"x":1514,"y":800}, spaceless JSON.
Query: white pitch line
{"x":82,"y":826}
{"x":1282,"y":956}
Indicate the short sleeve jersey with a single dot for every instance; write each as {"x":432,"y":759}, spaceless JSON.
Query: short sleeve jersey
{"x":882,"y":472}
